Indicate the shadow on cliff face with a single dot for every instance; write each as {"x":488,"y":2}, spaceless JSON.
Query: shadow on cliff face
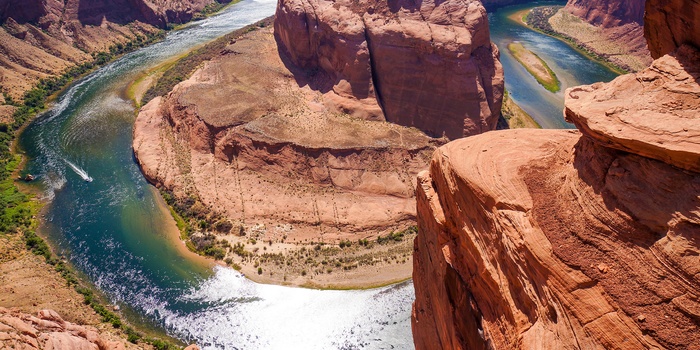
{"x":317,"y":79}
{"x":689,"y":59}
{"x":117,"y":11}
{"x":653,"y":197}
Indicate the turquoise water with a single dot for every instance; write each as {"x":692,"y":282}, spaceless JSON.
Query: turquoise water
{"x":113,"y":229}
{"x":571,"y":67}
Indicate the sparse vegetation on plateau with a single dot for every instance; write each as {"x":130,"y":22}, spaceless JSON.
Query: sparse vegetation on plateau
{"x":184,"y":67}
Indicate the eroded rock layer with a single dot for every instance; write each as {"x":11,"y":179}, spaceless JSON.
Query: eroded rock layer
{"x":243,"y":138}
{"x":427,"y":64}
{"x":569,"y":240}
{"x":608,"y":13}
{"x":39,"y":39}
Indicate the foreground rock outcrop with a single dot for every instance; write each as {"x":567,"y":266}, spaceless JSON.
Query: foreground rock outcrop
{"x":47,"y":330}
{"x":582,"y":239}
{"x":39,"y":39}
{"x":429,"y":64}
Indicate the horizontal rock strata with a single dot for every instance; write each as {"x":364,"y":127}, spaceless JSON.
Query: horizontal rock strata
{"x":39,"y":39}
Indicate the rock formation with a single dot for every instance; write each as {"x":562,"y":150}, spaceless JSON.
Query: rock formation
{"x":570,"y":240}
{"x":606,"y":13}
{"x":252,"y":147}
{"x":316,"y":132}
{"x":47,"y":330}
{"x":670,"y":24}
{"x":429,"y":64}
{"x":43,"y":38}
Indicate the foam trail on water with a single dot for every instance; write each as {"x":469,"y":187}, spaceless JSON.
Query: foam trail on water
{"x":82,"y":173}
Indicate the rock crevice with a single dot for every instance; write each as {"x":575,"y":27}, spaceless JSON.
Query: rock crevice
{"x":430,"y":66}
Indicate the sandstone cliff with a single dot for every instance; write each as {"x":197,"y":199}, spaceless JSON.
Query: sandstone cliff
{"x":315,"y":132}
{"x":429,"y":64}
{"x":670,"y":24}
{"x":570,"y":239}
{"x":254,"y":146}
{"x":608,"y":13}
{"x":39,"y":39}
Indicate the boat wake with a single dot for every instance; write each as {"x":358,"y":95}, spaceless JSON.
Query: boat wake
{"x":82,"y":173}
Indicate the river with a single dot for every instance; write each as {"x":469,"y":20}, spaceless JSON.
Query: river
{"x":571,"y":67}
{"x":115,"y":230}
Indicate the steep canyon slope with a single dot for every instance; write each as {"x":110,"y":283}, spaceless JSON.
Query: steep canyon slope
{"x":611,"y":29}
{"x":581,"y":239}
{"x":315,"y":132}
{"x":39,"y":39}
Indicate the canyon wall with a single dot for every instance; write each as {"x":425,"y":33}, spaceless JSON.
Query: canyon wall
{"x":429,"y":65}
{"x":608,"y":13}
{"x":39,"y":39}
{"x":611,"y":29}
{"x":587,"y":239}
{"x":670,"y":24}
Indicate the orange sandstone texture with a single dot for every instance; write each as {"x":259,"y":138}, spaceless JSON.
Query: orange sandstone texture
{"x":564,"y":239}
{"x":427,"y":64}
{"x":243,"y":138}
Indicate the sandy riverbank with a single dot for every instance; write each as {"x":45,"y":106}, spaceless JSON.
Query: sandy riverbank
{"x":621,"y":49}
{"x":536,"y":66}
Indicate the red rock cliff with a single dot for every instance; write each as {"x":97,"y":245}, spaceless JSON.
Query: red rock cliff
{"x":428,"y":64}
{"x":554,"y":239}
{"x":608,"y":13}
{"x":671,"y":24}
{"x":39,"y":39}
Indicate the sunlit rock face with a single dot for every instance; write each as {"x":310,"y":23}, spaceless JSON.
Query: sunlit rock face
{"x":572,"y":239}
{"x":429,"y":65}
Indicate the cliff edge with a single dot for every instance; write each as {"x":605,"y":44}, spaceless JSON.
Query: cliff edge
{"x":571,"y":239}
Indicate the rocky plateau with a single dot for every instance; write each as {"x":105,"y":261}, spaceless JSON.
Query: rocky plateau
{"x":315,"y":132}
{"x":588,"y":239}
